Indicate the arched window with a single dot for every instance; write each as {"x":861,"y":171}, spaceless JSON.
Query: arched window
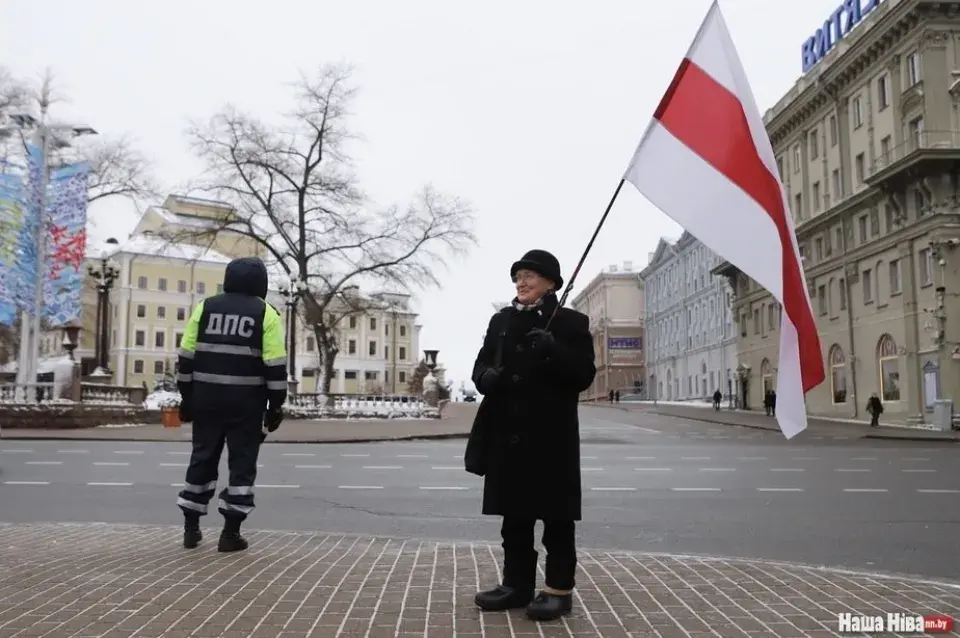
{"x":888,"y":365}
{"x":838,"y":375}
{"x":766,"y":374}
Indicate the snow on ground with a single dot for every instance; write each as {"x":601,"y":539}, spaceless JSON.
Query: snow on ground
{"x":157,"y":400}
{"x":689,"y":404}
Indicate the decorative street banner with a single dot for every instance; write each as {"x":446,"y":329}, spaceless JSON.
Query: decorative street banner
{"x":625,"y":343}
{"x":26,"y":266}
{"x":11,"y":222}
{"x":65,"y":244}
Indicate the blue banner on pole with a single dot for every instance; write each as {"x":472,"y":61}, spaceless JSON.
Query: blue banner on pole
{"x":26,"y":268}
{"x":66,"y":244}
{"x":12,"y":217}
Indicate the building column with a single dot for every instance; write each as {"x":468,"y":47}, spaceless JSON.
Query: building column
{"x":894,"y":68}
{"x":912,"y":373}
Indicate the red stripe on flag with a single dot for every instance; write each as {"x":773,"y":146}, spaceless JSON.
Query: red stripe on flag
{"x":707,"y":118}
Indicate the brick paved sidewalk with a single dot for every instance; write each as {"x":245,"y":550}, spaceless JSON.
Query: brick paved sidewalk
{"x":91,"y":580}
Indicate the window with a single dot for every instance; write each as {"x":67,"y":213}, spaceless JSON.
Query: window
{"x":861,"y":171}
{"x":822,"y":299}
{"x":857,"y":112}
{"x":402,"y":376}
{"x":839,"y":238}
{"x":916,"y":132}
{"x":837,"y":187}
{"x":874,"y":222}
{"x":402,"y":353}
{"x":867,"y":283}
{"x":181,"y":314}
{"x":386,"y":352}
{"x":833,"y":130}
{"x":888,"y":363}
{"x":756,"y":321}
{"x":827,"y":245}
{"x":780,"y":167}
{"x":403,"y":331}
{"x":140,"y":338}
{"x":177,"y":338}
{"x":814,"y":146}
{"x":926,"y":267}
{"x":883,"y":92}
{"x":353,"y":323}
{"x":816,"y":197}
{"x":201,"y":288}
{"x":373,"y":323}
{"x":161,"y":312}
{"x":843,"y":294}
{"x":350,"y":375}
{"x":798,"y":207}
{"x":885,"y":150}
{"x":181,"y":286}
{"x":838,"y":375}
{"x":796,"y":158}
{"x":818,"y":245}
{"x":162,"y":284}
{"x":918,"y":202}
{"x":352,"y":346}
{"x":138,"y":366}
{"x":159,"y":339}
{"x":895,"y":277}
{"x":372,"y":348}
{"x":311,"y":344}
{"x":772,"y":317}
{"x":158,"y":367}
{"x":142,"y":283}
{"x":141,"y":311}
{"x":913,"y":70}
{"x":370,"y":375}
{"x":888,"y":217}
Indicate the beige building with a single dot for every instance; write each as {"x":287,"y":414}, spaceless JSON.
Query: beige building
{"x":614,"y":301}
{"x":868,"y":148}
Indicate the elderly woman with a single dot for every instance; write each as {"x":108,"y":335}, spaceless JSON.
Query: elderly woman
{"x":526,"y":441}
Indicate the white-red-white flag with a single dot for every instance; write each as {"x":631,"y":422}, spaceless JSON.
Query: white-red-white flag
{"x":707,"y":162}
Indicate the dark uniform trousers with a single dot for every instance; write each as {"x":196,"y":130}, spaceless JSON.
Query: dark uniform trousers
{"x":243,"y":438}
{"x":520,"y":555}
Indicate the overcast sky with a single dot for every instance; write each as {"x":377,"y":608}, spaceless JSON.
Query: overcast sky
{"x":529,"y":109}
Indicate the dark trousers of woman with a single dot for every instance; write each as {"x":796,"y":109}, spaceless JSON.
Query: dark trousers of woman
{"x":520,"y":555}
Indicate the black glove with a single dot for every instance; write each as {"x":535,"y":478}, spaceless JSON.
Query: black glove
{"x":272,"y":419}
{"x":489,"y":381}
{"x":542,"y":341}
{"x":186,"y":412}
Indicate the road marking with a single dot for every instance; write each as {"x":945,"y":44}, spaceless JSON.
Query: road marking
{"x":438,"y":487}
{"x":718,"y":469}
{"x":588,"y":458}
{"x":312,"y":467}
{"x":864,"y":489}
{"x":179,"y":453}
{"x":779,"y":489}
{"x":44,"y":463}
{"x":851,"y":469}
{"x":110,"y":464}
{"x":17,"y":451}
{"x":641,"y":458}
{"x":939,"y":491}
{"x":613,"y":489}
{"x":173,"y":465}
{"x":805,"y":458}
{"x":412,"y":456}
{"x":96,"y":484}
{"x":653,"y":469}
{"x":26,"y":482}
{"x":914,"y":458}
{"x":864,"y":458}
{"x":360,"y":487}
{"x":73,"y":451}
{"x":128,"y":451}
{"x":695,"y":489}
{"x":918,"y":470}
{"x":271,"y":487}
{"x":695,"y":458}
{"x":355,"y":456}
{"x":751,"y":458}
{"x":382,"y":467}
{"x":787,"y":469}
{"x":298,"y":454}
{"x":591,"y":469}
{"x":447,"y":467}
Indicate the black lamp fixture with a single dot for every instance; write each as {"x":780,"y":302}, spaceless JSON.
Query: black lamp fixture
{"x":430,"y":358}
{"x":291,"y":291}
{"x":105,"y":272}
{"x":71,"y":338}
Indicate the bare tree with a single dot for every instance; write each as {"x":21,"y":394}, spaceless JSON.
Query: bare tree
{"x":295,"y":192}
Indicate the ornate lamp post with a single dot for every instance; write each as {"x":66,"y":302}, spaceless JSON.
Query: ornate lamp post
{"x":291,"y":291}
{"x":431,"y":392}
{"x":105,"y":273}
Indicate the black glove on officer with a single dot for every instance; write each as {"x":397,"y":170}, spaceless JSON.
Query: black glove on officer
{"x":542,"y":341}
{"x":272,"y":419}
{"x":186,"y":412}
{"x":489,"y":381}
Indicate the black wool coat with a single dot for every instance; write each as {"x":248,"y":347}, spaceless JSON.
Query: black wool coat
{"x":526,"y":438}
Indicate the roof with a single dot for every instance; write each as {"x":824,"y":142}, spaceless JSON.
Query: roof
{"x":159,"y":248}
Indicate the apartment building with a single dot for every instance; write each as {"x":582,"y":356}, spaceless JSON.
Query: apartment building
{"x":868,"y":147}
{"x":614,"y":302}
{"x":691,"y":345}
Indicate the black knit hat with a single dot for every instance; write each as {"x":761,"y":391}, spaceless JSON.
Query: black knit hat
{"x":540,"y":262}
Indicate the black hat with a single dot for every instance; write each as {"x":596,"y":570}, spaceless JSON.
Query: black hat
{"x":540,"y":262}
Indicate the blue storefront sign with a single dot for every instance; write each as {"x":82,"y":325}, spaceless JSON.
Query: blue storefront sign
{"x":841,"y":21}
{"x":625,"y":343}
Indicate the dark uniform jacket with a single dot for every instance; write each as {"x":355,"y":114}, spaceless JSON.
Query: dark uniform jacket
{"x":232,"y":356}
{"x":526,"y":438}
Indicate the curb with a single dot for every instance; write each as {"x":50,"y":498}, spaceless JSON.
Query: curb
{"x":118,"y":439}
{"x":882,"y":437}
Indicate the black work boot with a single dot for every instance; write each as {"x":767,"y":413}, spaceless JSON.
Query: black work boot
{"x":230,"y":539}
{"x":191,"y":531}
{"x":519,"y":584}
{"x":547,"y":607}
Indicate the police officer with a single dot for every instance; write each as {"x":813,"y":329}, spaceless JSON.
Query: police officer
{"x":232,"y":369}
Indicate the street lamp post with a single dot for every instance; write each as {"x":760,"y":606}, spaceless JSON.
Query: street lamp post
{"x":291,"y":292}
{"x":45,"y":136}
{"x":431,"y":390}
{"x":105,"y":273}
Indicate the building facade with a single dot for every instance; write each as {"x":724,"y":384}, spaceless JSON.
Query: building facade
{"x":691,"y":345}
{"x":614,"y":301}
{"x":868,"y":148}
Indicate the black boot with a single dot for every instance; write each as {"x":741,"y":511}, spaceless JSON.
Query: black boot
{"x":191,"y":531}
{"x":230,"y":538}
{"x":550,"y":606}
{"x":519,"y":584}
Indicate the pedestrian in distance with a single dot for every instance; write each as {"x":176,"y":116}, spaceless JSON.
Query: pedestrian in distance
{"x":717,"y":397}
{"x":875,"y":409}
{"x":526,"y":438}
{"x":232,"y":382}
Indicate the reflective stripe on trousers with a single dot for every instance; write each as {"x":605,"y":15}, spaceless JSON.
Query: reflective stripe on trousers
{"x":195,"y":498}
{"x":227,"y":379}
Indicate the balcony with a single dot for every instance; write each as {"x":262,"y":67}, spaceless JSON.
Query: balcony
{"x":922,"y":153}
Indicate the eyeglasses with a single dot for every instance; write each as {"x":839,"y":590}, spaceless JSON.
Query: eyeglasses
{"x":525,"y":276}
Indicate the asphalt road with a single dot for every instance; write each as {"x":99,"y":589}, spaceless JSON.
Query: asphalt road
{"x":665,"y":485}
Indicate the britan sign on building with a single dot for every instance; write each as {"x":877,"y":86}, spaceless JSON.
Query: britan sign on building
{"x":840,"y":23}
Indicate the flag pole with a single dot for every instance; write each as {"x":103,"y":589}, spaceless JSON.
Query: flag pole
{"x":583,"y":258}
